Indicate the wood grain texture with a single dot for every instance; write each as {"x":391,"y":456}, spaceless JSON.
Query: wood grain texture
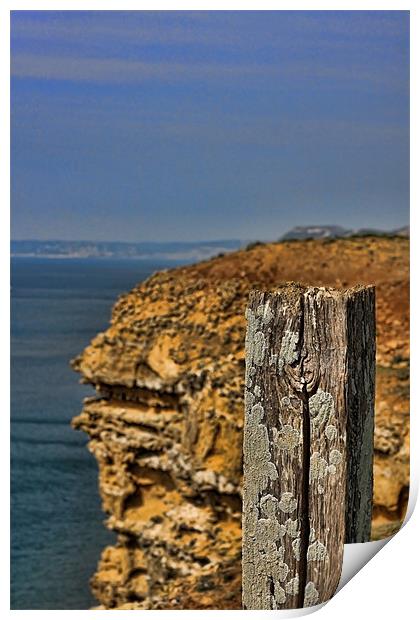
{"x":308,"y":427}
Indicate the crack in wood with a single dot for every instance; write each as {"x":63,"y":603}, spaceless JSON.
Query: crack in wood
{"x":305,"y":521}
{"x":306,"y":464}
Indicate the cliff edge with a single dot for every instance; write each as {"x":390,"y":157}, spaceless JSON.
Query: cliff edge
{"x":166,"y":425}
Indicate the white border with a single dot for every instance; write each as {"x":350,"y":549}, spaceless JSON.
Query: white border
{"x":387,"y":585}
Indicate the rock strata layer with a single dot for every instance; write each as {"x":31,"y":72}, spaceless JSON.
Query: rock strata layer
{"x":166,"y":424}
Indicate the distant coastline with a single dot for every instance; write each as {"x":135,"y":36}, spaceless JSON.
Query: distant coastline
{"x":175,"y":250}
{"x":166,"y":251}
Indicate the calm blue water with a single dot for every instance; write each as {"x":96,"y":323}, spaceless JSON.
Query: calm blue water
{"x":57,"y":523}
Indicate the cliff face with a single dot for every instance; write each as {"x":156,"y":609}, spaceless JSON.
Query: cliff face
{"x":166,"y":427}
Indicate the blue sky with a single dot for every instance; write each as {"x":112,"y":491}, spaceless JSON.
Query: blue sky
{"x":207,"y":125}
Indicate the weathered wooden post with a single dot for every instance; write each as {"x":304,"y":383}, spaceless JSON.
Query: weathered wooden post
{"x":308,"y":440}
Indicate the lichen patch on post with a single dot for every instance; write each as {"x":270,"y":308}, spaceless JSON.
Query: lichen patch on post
{"x":292,"y":586}
{"x":292,"y":527}
{"x":316,"y":552}
{"x":268,"y":505}
{"x":250,"y":520}
{"x":311,"y":595}
{"x":255,"y":344}
{"x":331,"y":432}
{"x":287,"y":438}
{"x":318,"y":467}
{"x":264,"y":311}
{"x":287,"y":353}
{"x":287,"y":502}
{"x":259,"y":347}
{"x":321,"y":408}
{"x":296,"y":548}
{"x":257,"y":414}
{"x":257,"y":456}
{"x":249,"y":401}
{"x":279,"y":595}
{"x":277,"y":568}
{"x":335,"y":457}
{"x":267,"y":530}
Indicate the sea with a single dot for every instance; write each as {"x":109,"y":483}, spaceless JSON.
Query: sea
{"x":57,"y":526}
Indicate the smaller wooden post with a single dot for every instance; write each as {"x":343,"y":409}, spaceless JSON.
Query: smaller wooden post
{"x":308,"y":440}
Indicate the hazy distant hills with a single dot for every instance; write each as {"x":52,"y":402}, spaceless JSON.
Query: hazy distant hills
{"x":315,"y":232}
{"x":177,"y":250}
{"x":325,"y":232}
{"x":188,"y":251}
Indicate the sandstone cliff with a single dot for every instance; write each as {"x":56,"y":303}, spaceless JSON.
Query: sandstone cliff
{"x":166,"y":426}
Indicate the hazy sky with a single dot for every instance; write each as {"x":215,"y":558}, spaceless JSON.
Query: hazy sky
{"x":190,"y":126}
